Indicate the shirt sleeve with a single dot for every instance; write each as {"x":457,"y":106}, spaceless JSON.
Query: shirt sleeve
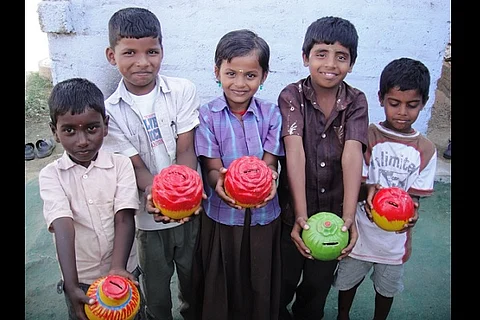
{"x":116,"y":141}
{"x":187,"y":113}
{"x":55,"y":201}
{"x":423,"y":185}
{"x":126,"y":192}
{"x":273,"y":143}
{"x":205,"y":141}
{"x":356,"y":126}
{"x":292,"y":118}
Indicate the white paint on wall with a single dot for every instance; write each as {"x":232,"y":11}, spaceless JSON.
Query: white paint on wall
{"x":420,"y":29}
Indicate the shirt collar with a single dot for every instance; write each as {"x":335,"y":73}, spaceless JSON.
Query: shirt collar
{"x":221,"y":104}
{"x":343,"y":98}
{"x":123,"y":94}
{"x":103,"y":161}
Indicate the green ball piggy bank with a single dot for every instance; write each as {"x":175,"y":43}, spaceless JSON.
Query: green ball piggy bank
{"x":325,"y":238}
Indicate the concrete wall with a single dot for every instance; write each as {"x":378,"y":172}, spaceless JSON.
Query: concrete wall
{"x":420,"y":29}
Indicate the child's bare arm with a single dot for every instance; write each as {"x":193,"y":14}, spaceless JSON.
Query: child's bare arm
{"x":64,"y":232}
{"x":122,"y":243}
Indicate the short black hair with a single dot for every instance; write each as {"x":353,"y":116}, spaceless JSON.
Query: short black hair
{"x":405,"y":74}
{"x":329,"y":30}
{"x":75,"y":95}
{"x":239,"y":43}
{"x":135,"y":23}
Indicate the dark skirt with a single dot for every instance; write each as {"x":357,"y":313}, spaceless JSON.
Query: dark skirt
{"x":236,"y":270}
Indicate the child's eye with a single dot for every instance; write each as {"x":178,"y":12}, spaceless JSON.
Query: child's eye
{"x":251,"y":76}
{"x":153,"y":52}
{"x":92,"y":129}
{"x":230,"y":73}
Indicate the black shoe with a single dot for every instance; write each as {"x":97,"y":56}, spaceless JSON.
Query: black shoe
{"x":448,"y":152}
{"x":29,"y":151}
{"x":44,"y":147}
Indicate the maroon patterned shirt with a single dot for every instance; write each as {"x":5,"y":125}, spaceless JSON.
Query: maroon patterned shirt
{"x":323,"y":143}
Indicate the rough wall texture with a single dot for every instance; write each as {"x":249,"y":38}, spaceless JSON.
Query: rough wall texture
{"x":439,"y":125}
{"x":420,"y":29}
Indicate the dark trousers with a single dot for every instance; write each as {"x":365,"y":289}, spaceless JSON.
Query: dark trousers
{"x":316,"y":280}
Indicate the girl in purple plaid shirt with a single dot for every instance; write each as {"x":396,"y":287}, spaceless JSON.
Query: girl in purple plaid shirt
{"x":236,"y":269}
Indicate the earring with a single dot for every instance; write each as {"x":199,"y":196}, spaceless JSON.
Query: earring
{"x":219,"y":83}
{"x":261,"y":86}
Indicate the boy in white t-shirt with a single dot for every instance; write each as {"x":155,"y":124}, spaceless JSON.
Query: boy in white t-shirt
{"x":152,"y":121}
{"x":397,"y":156}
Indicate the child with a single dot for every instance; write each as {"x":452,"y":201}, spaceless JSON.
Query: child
{"x":152,"y":121}
{"x":89,"y":196}
{"x":324,"y":130}
{"x":237,"y":259}
{"x":397,"y":156}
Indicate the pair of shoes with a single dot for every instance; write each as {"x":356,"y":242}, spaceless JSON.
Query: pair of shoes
{"x":41,"y":149}
{"x":448,"y":152}
{"x":29,"y":151}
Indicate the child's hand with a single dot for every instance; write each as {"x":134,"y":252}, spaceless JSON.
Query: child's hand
{"x":149,"y":205}
{"x":372,"y":189}
{"x":79,"y":299}
{"x":157,"y":214}
{"x":295,"y":235}
{"x":273,"y":191}
{"x":220,"y":190}
{"x":353,"y":236}
{"x":124,"y":273}
{"x":412,"y":221}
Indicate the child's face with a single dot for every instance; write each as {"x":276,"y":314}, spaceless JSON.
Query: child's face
{"x":81,"y":135}
{"x":401,"y":109}
{"x":139,"y":61}
{"x":240,"y":79}
{"x":328,"y":64}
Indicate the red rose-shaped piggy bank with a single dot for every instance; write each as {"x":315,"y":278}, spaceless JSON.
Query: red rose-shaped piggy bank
{"x":177,"y":191}
{"x":392,"y":207}
{"x":117,"y":298}
{"x":248,"y":181}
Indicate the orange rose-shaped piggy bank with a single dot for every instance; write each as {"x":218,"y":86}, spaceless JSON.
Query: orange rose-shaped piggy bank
{"x":177,"y":191}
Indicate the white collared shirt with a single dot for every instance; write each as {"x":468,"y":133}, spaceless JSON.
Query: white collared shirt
{"x":176,"y":108}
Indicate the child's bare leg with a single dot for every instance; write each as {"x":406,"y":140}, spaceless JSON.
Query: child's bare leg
{"x":345,"y":300}
{"x":382,"y":306}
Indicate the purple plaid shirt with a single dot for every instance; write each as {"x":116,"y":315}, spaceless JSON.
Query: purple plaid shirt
{"x":221,"y":135}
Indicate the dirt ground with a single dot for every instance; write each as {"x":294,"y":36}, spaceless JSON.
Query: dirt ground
{"x":35,"y":129}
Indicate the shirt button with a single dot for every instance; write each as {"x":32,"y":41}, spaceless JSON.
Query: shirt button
{"x":90,"y":201}
{"x":85,"y":176}
{"x":323,"y":135}
{"x":322,"y":190}
{"x":322,"y":164}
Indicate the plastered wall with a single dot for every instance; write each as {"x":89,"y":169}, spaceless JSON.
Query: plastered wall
{"x":77,"y":37}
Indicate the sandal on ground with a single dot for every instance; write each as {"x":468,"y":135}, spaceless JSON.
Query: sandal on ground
{"x":29,"y":151}
{"x":448,"y":152}
{"x":44,"y":147}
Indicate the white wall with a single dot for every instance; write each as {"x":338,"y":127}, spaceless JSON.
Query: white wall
{"x":388,"y":29}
